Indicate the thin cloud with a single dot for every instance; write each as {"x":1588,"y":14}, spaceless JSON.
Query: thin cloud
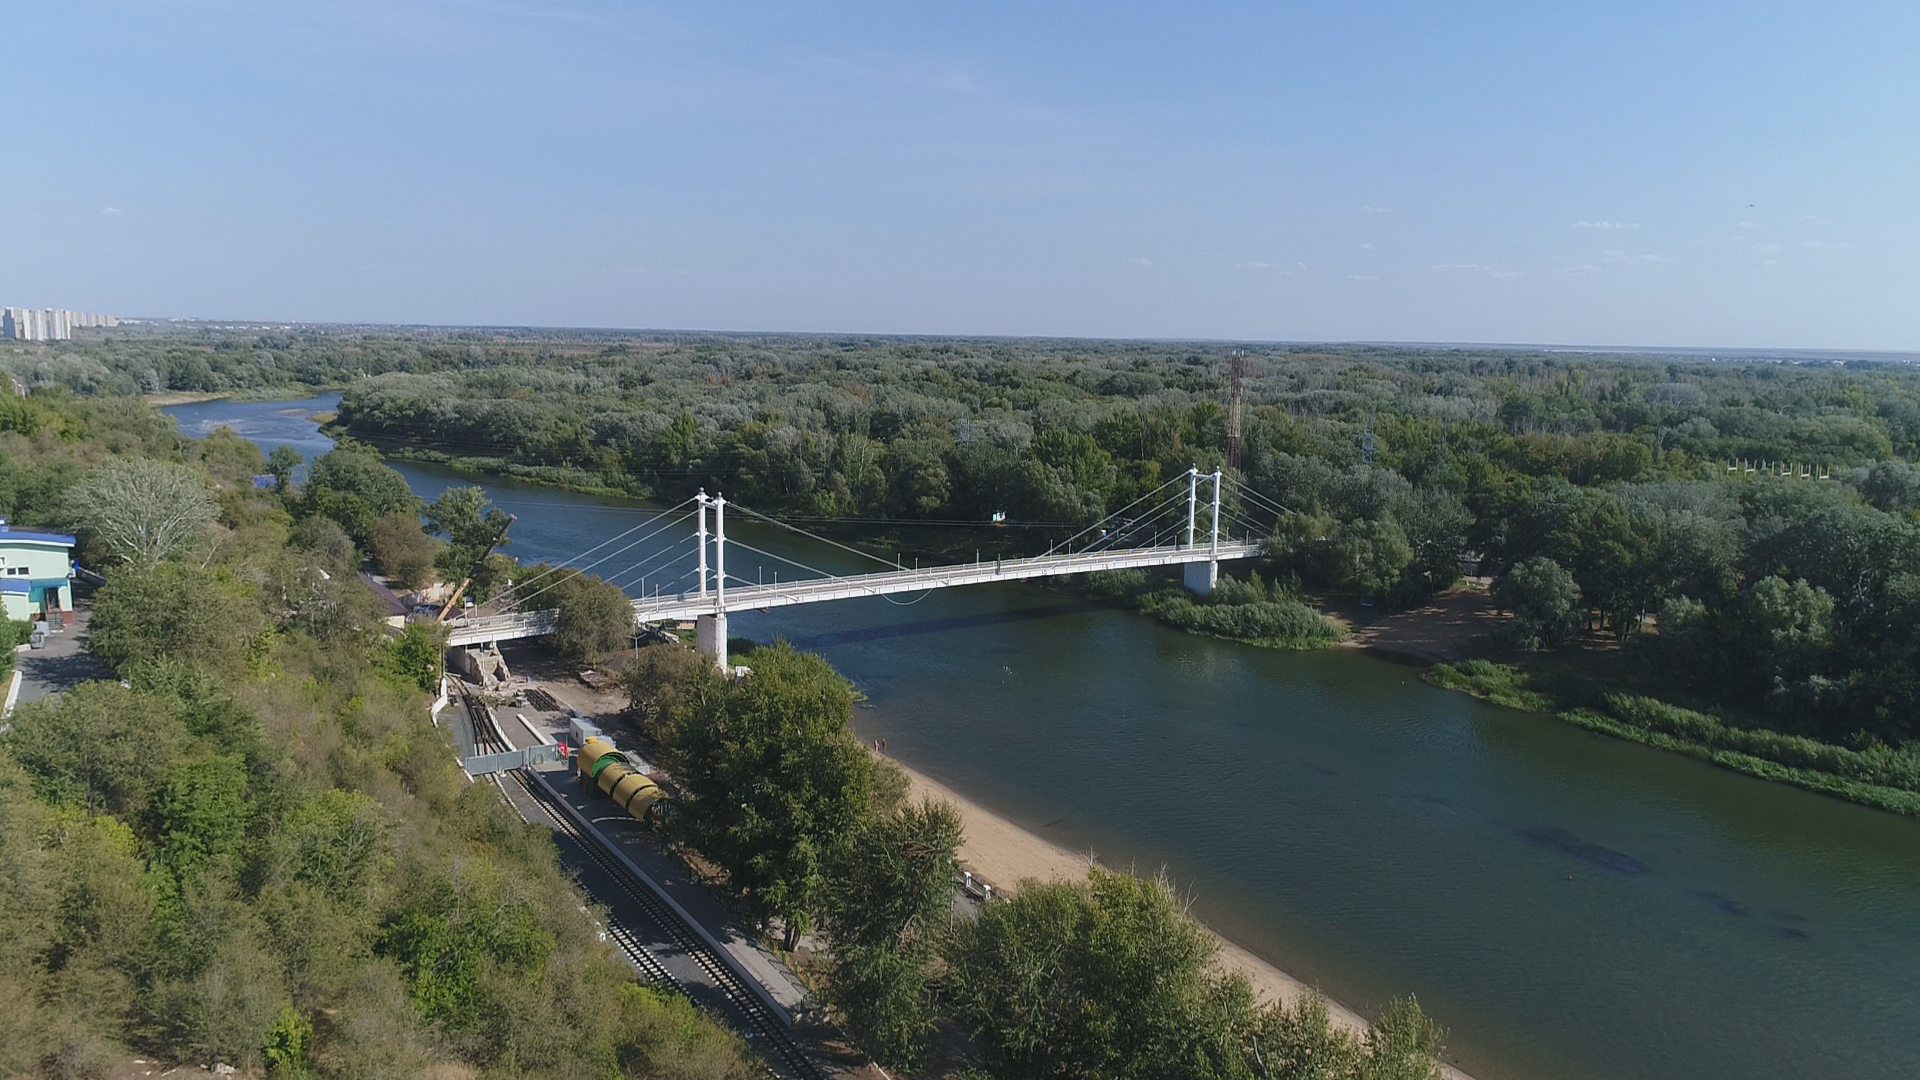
{"x":1375,"y":210}
{"x":111,"y":211}
{"x":1477,"y":268}
{"x":1366,"y":247}
{"x":1826,"y":245}
{"x":1583,"y":268}
{"x":1606,"y":224}
{"x":1746,"y":225}
{"x":1256,"y":266}
{"x":1362,"y":277}
{"x":1143,"y":261}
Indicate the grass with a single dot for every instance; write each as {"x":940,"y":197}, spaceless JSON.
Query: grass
{"x":1247,"y":611}
{"x":1765,"y":754}
{"x":1501,"y":684}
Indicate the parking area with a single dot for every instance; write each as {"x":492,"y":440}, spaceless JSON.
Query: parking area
{"x":62,"y":664}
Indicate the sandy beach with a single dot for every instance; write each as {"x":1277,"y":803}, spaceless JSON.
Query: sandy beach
{"x":1004,"y":854}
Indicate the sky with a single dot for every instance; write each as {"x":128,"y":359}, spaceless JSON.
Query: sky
{"x":1707,"y":173}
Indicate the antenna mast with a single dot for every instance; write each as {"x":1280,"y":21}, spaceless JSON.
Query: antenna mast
{"x":1237,"y":374}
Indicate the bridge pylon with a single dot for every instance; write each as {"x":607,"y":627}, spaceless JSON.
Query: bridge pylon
{"x":1200,"y":577}
{"x":710,"y":630}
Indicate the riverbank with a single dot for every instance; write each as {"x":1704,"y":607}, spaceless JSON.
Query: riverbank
{"x":1002,"y":853}
{"x":1880,"y":777}
{"x":559,"y":478}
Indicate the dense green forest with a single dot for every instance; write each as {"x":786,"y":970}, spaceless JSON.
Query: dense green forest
{"x":252,"y":845}
{"x":1597,"y":488}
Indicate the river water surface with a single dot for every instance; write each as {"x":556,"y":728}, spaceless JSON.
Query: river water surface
{"x":1570,"y":907}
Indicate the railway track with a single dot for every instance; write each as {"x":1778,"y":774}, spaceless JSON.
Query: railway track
{"x":785,"y":1058}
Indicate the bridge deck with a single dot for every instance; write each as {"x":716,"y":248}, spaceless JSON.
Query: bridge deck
{"x":516,"y":625}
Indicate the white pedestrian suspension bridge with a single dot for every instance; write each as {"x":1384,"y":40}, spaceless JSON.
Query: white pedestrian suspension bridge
{"x":1143,"y":534}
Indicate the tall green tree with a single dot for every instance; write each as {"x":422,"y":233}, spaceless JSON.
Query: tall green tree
{"x":353,"y":487}
{"x":594,"y":616}
{"x":1371,"y":554}
{"x":889,"y":894}
{"x":1104,"y":979}
{"x":473,"y":527}
{"x":283,"y":463}
{"x":1544,"y":600}
{"x":777,"y":784}
{"x":403,"y":551}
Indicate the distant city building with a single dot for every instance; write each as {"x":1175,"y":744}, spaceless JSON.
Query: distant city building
{"x":47,"y":324}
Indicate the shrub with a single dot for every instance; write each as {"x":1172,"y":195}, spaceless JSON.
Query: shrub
{"x":1501,"y":684}
{"x":1283,"y":623}
{"x":1876,"y":764}
{"x":1115,"y":584}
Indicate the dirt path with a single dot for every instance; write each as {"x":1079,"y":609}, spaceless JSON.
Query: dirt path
{"x":1453,"y":626}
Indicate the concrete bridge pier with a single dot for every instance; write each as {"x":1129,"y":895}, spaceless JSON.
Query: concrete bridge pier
{"x":710,"y":637}
{"x":1200,"y":577}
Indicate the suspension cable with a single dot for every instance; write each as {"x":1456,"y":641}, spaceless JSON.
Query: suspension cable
{"x":1248,"y":491}
{"x":782,"y":558}
{"x":1147,"y":517}
{"x":810,"y":536}
{"x":1118,"y":512}
{"x":577,"y":571}
{"x":670,"y":549}
{"x":563,"y":564}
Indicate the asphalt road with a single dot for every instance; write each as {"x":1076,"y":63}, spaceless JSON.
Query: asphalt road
{"x":62,"y":665}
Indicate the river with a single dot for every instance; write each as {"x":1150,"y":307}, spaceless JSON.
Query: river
{"x":1569,"y":906}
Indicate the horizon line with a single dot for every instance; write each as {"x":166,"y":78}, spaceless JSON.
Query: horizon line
{"x":1691,"y":351}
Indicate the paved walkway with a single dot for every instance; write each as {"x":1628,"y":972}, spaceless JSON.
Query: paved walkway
{"x":62,"y":665}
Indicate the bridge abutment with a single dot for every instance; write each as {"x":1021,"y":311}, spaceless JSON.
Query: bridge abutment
{"x":710,"y":637}
{"x":1200,"y":577}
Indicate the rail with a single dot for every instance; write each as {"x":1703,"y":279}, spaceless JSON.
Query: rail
{"x":766,"y":1026}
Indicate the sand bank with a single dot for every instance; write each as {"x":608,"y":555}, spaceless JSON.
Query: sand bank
{"x":1004,"y":854}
